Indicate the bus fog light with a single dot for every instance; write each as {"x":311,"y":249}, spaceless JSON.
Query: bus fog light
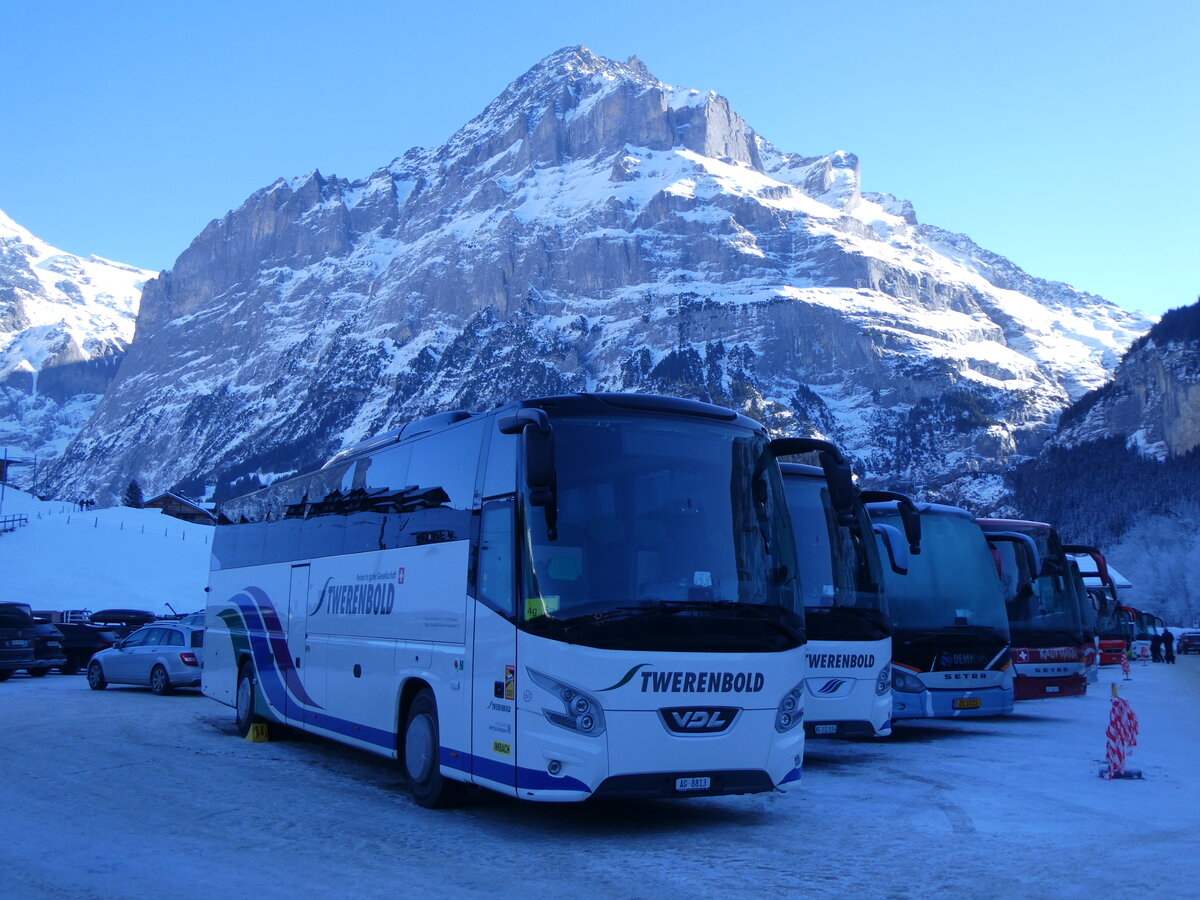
{"x":788,"y":714}
{"x":554,"y":767}
{"x":581,"y":711}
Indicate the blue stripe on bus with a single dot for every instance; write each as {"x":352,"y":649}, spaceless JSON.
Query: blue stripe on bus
{"x":503,"y":773}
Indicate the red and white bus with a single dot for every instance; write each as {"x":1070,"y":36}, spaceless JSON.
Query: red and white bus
{"x":1043,"y":610}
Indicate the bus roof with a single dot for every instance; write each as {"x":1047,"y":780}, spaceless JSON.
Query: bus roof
{"x":925,"y":509}
{"x":1011,"y":524}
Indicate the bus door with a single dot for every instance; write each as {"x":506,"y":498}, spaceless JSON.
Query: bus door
{"x":494,"y":656}
{"x":293,"y":621}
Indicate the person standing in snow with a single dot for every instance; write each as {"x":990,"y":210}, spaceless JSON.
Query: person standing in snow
{"x":1168,"y":646}
{"x":1156,"y":647}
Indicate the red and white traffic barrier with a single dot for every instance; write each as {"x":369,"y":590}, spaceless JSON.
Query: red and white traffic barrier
{"x":1125,"y":667}
{"x":1121,"y":737}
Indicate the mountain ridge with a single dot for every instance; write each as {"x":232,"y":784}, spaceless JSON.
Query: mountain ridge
{"x":592,"y":229}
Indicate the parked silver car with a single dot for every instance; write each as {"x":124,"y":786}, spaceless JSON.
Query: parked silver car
{"x":162,"y":656}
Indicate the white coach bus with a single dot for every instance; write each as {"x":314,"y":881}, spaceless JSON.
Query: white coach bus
{"x":849,"y":651}
{"x":571,"y":597}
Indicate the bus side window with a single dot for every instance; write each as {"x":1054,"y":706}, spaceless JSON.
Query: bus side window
{"x":496,"y":556}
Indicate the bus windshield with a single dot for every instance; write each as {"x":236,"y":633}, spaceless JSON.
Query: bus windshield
{"x":672,"y":534}
{"x":1110,"y":618}
{"x":842,"y":585}
{"x":951,"y":584}
{"x":1045,"y":605}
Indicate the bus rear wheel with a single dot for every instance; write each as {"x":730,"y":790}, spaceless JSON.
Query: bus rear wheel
{"x":247,"y":695}
{"x":422,"y":752}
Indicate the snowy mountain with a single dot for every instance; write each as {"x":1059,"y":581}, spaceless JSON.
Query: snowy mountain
{"x":1153,"y":400}
{"x":592,"y":229}
{"x":1123,"y":469}
{"x":65,"y":323}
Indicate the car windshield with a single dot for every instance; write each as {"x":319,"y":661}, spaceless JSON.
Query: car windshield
{"x":951,"y":584}
{"x":672,"y":533}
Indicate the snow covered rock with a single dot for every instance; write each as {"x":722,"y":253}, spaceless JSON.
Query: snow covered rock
{"x":65,"y":322}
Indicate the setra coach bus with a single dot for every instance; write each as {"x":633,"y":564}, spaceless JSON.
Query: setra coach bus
{"x":583,"y":596}
{"x":1041,"y":588}
{"x":950,"y":638}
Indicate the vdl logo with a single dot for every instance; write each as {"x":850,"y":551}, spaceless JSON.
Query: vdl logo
{"x":699,"y":719}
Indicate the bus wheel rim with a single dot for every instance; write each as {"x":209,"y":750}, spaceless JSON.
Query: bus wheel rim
{"x":418,"y":748}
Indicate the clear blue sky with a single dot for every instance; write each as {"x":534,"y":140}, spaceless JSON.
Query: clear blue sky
{"x":1063,"y":135}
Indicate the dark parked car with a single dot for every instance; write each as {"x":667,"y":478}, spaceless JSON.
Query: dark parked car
{"x":16,"y":638}
{"x":162,"y":656}
{"x":48,"y":651}
{"x":80,"y":641}
{"x":1189,"y":642}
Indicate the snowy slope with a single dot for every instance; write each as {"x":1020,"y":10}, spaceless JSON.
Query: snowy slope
{"x":103,"y":559}
{"x":65,"y":322}
{"x":594,"y":228}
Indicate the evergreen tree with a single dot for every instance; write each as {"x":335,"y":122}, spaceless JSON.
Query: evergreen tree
{"x":133,"y":496}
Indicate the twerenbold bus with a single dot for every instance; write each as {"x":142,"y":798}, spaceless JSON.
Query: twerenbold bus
{"x":592,"y":595}
{"x":849,"y":632}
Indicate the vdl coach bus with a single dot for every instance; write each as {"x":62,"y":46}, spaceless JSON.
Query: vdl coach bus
{"x":950,"y":637}
{"x":849,"y":631}
{"x":570,"y":597}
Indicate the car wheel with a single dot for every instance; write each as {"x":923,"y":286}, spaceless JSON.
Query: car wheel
{"x":247,"y":695}
{"x":160,"y":682}
{"x":95,"y":675}
{"x":37,"y":673}
{"x":422,"y":751}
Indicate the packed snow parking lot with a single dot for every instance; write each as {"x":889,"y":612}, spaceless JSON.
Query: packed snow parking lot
{"x":122,"y":793}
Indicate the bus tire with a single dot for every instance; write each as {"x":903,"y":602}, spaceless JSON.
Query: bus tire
{"x":421,"y":752}
{"x":246,"y":699}
{"x":95,"y":676}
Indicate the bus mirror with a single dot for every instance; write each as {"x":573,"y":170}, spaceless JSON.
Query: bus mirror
{"x":896,"y":546}
{"x":838,"y":477}
{"x":537,"y":445}
{"x":909,"y":516}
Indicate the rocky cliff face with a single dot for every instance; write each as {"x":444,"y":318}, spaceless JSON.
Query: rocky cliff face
{"x":592,"y":229}
{"x":65,"y":323}
{"x":1153,"y":400}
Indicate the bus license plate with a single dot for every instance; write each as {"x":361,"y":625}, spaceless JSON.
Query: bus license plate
{"x":968,"y":703}
{"x":693,"y":784}
{"x":824,"y":729}
{"x":1052,"y":689}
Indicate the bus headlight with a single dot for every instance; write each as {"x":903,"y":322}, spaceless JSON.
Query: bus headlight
{"x":581,"y":711}
{"x":884,"y":680}
{"x":906,"y":682}
{"x":790,"y":713}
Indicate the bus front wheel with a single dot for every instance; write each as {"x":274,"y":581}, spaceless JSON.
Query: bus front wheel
{"x":422,"y":751}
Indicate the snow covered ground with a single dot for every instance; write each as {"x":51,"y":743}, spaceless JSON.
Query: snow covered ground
{"x":122,"y":794}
